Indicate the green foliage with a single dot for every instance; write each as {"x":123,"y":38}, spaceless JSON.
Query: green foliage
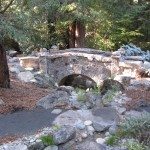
{"x":56,"y":127}
{"x":112,"y":140}
{"x":81,"y":95}
{"x":109,"y":24}
{"x":47,"y":140}
{"x":137,"y":128}
{"x":109,"y":96}
{"x":95,"y":90}
{"x":135,"y":145}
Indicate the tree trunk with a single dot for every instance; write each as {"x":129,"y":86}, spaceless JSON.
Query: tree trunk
{"x":80,"y":34}
{"x":72,"y":30}
{"x":4,"y":72}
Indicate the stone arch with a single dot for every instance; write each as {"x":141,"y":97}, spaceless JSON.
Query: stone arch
{"x":77,"y":80}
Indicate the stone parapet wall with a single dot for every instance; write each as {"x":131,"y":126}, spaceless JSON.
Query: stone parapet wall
{"x":96,"y":67}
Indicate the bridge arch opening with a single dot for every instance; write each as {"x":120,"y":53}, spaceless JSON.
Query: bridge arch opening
{"x":78,"y":81}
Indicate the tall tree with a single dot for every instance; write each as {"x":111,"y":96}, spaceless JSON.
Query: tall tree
{"x":4,"y":72}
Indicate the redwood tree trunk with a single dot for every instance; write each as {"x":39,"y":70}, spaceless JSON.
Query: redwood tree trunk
{"x":80,"y":34}
{"x":4,"y":72}
{"x":72,"y":30}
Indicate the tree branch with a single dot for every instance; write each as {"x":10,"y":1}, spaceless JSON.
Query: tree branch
{"x":5,"y":9}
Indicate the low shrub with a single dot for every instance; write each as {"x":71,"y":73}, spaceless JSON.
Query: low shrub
{"x":47,"y":140}
{"x":136,"y":128}
{"x":135,"y":145}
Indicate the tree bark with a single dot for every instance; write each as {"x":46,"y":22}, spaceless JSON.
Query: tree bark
{"x":80,"y":34}
{"x":72,"y":30}
{"x":4,"y":72}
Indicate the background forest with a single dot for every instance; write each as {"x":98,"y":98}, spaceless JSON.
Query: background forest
{"x":99,"y":24}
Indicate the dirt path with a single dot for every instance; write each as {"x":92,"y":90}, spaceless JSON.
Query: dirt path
{"x":25,"y":122}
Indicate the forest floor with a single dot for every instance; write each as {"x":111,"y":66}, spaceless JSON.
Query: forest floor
{"x":20,"y":96}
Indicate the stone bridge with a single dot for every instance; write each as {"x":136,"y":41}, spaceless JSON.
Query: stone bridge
{"x":95,"y":65}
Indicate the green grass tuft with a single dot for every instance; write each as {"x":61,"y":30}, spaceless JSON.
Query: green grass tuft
{"x":47,"y":140}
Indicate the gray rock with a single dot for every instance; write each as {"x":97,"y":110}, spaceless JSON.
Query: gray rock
{"x":146,"y":65}
{"x":14,"y":70}
{"x":88,"y":122}
{"x":100,"y":140}
{"x":121,"y":110}
{"x":68,"y":89}
{"x":64,"y":134}
{"x":72,"y":117}
{"x":113,"y":129}
{"x":80,"y":125}
{"x":26,"y":76}
{"x":54,"y":99}
{"x":36,"y":146}
{"x":56,"y":111}
{"x":100,"y":126}
{"x":107,"y":114}
{"x":43,"y":80}
{"x":70,"y":145}
{"x":90,"y":130}
{"x":1,"y":102}
{"x":16,"y":146}
{"x":13,"y":60}
{"x":13,"y":53}
{"x":90,"y":145}
{"x":52,"y":147}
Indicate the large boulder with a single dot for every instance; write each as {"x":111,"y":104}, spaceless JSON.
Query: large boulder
{"x":56,"y":98}
{"x":43,"y":81}
{"x":64,"y":134}
{"x":104,"y":118}
{"x":73,"y":117}
{"x":90,"y":145}
{"x":15,"y":146}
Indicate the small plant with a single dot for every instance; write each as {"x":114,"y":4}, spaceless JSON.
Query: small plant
{"x":96,"y":89}
{"x":108,"y":97}
{"x":112,"y":140}
{"x":81,"y":95}
{"x":135,"y":145}
{"x":56,"y":127}
{"x":47,"y":140}
{"x":136,"y":128}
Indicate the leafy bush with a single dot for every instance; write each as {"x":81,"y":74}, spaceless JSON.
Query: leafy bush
{"x":137,"y":128}
{"x":135,"y":145}
{"x":47,"y":140}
